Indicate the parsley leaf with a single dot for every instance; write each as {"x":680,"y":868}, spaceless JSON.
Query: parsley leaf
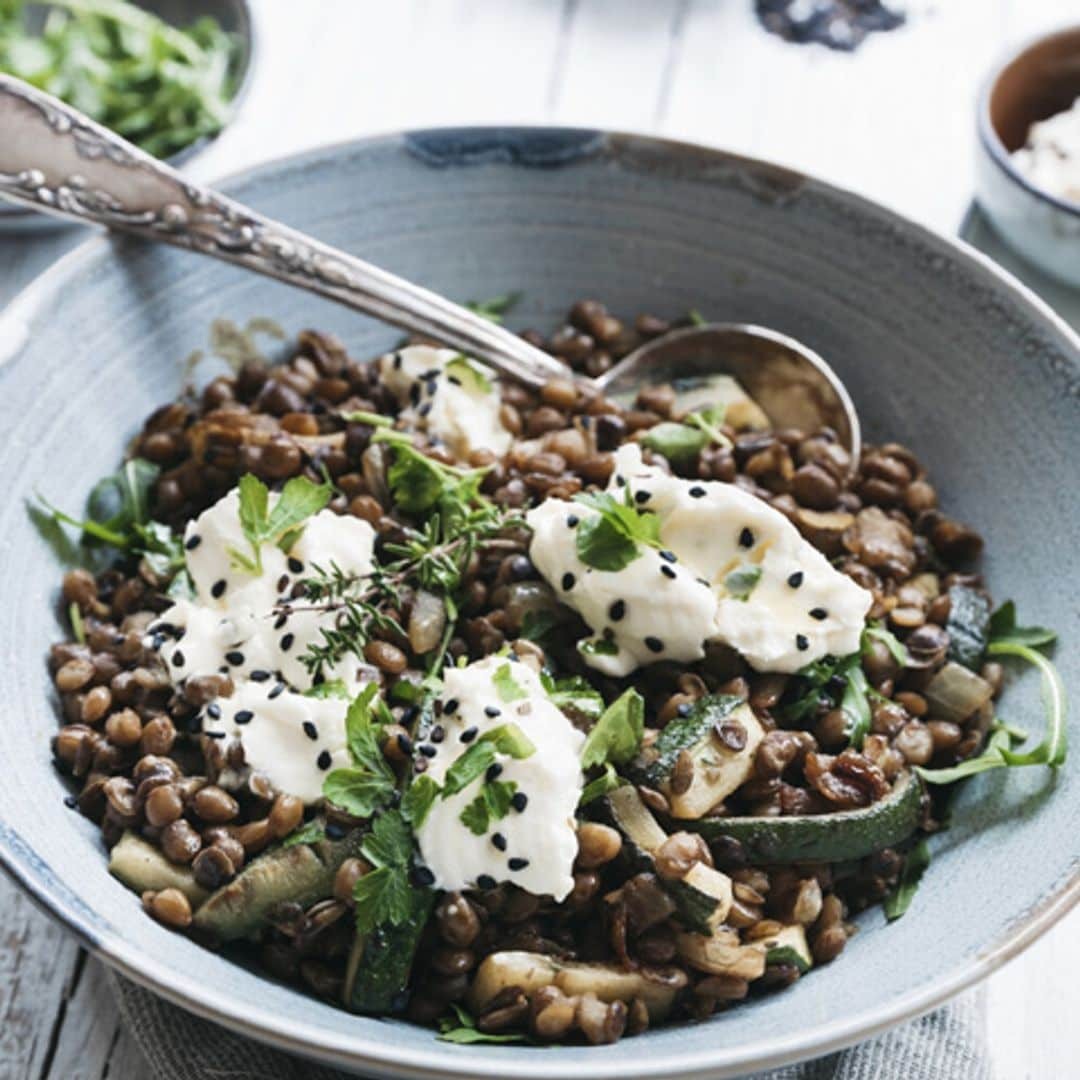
{"x":741,"y":583}
{"x":332,"y":688}
{"x":492,"y":804}
{"x":609,"y":540}
{"x":573,"y":695}
{"x":1003,"y":628}
{"x":506,"y":739}
{"x":370,"y":782}
{"x":356,"y":791}
{"x":385,"y":894}
{"x":899,"y":900}
{"x":507,"y":687}
{"x":463,"y":1030}
{"x":417,"y":801}
{"x":616,"y":736}
{"x":299,"y":500}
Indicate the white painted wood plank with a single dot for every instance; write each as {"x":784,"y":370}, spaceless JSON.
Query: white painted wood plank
{"x":126,"y":1062}
{"x":90,"y":1029}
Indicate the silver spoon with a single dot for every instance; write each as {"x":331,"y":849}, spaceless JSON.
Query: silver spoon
{"x":54,"y":158}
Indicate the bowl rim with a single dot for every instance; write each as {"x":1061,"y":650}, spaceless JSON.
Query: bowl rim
{"x":14,"y":216}
{"x":352,"y":1052}
{"x":987,"y":133}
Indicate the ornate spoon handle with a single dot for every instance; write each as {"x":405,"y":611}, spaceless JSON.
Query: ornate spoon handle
{"x":54,"y":158}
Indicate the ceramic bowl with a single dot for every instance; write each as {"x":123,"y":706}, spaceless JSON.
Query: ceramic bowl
{"x":235,"y":16}
{"x":1031,"y":84}
{"x":940,"y":349}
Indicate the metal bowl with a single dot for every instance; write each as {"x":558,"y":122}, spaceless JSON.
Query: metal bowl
{"x":940,"y":349}
{"x":237,"y":18}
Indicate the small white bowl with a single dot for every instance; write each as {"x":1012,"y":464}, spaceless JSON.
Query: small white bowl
{"x":1033,"y":83}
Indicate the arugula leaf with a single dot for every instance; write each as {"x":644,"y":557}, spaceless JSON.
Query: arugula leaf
{"x":494,"y":307}
{"x":417,"y":801}
{"x":741,"y":583}
{"x":609,"y":541}
{"x":463,"y":1030}
{"x":855,"y":704}
{"x":469,"y":375}
{"x":616,"y":736}
{"x":122,"y":500}
{"x":607,"y":781}
{"x":876,"y":632}
{"x":507,"y":687}
{"x":299,"y":500}
{"x":1003,"y":629}
{"x":332,"y":688}
{"x":573,"y":694}
{"x":915,"y":864}
{"x":311,"y":833}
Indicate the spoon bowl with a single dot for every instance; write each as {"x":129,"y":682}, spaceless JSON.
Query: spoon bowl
{"x":794,"y":387}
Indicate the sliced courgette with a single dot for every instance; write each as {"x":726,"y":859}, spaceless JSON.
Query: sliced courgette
{"x":718,"y":770}
{"x":968,"y":626}
{"x":849,"y":834}
{"x":722,"y":954}
{"x":142,"y":867}
{"x":789,"y":947}
{"x":380,"y":963}
{"x":532,"y":971}
{"x":703,"y":895}
{"x":302,"y":874}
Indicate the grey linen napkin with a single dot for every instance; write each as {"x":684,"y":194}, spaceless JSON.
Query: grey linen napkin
{"x":949,"y":1044}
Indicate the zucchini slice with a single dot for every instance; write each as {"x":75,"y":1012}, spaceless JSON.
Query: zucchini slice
{"x":718,"y":770}
{"x":723,"y":954}
{"x":142,"y":867}
{"x":303,"y":874}
{"x":703,"y":895}
{"x":531,"y":971}
{"x":849,"y":834}
{"x":968,"y":626}
{"x":789,"y":947}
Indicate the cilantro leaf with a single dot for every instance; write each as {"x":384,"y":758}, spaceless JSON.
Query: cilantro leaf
{"x":507,"y":687}
{"x":418,"y":799}
{"x":1003,"y":628}
{"x":299,"y":500}
{"x":741,"y":583}
{"x":475,"y":816}
{"x":899,"y":900}
{"x":610,"y":540}
{"x":505,"y":739}
{"x":492,"y":804}
{"x":616,"y":736}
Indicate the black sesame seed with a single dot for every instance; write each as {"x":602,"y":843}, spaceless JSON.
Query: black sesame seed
{"x":654,"y":644}
{"x":427,"y":749}
{"x":259,"y":675}
{"x":425,"y":408}
{"x":405,"y":744}
{"x":286,"y":642}
{"x":517,"y":864}
{"x":295,"y":565}
{"x":492,"y":711}
{"x":235,"y":658}
{"x":213,"y":710}
{"x":642,"y":496}
{"x":572,"y":520}
{"x":438,"y":733}
{"x":277,"y":691}
{"x":485,"y":881}
{"x":696,"y":492}
{"x":335,"y":830}
{"x":214,"y":734}
{"x":568,"y":582}
{"x":409,"y":714}
{"x":469,"y":734}
{"x":178,"y":659}
{"x":71,"y":801}
{"x":281,"y":620}
{"x":193,"y":542}
{"x":157,"y":641}
{"x":453,"y":379}
{"x":620,"y":480}
{"x":617,"y":610}
{"x":217,"y":590}
{"x":802,"y":643}
{"x":414,"y":393}
{"x":283,"y":583}
{"x":667,"y":572}
{"x":397,"y":361}
{"x":324,"y":760}
{"x":310,"y":730}
{"x":818,"y":613}
{"x":796,"y":579}
{"x":499,"y":841}
{"x":423,"y":877}
{"x":450,"y":706}
{"x":667,"y":556}
{"x":519,"y":801}
{"x":244,"y":716}
{"x":493,"y":772}
{"x":746,"y":539}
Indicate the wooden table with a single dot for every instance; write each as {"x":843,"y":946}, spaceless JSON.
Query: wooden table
{"x":894,"y":121}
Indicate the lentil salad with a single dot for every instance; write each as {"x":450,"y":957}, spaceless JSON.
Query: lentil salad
{"x":730,"y":818}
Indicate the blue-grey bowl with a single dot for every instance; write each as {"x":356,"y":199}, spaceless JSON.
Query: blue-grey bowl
{"x":238,"y":17}
{"x":940,"y":348}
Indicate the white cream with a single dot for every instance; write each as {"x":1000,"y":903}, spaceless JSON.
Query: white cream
{"x":799,"y":609}
{"x":1050,"y":158}
{"x":459,"y":407}
{"x":542,"y":831}
{"x":247,"y":626}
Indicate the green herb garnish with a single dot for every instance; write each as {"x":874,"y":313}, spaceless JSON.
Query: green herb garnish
{"x":418,"y":799}
{"x":506,"y":739}
{"x":598,"y":647}
{"x":369,"y":783}
{"x":311,"y":833}
{"x":300,"y":499}
{"x":494,"y":307}
{"x":681,"y":443}
{"x":616,"y":736}
{"x":385,"y":895}
{"x":574,"y":695}
{"x":469,"y":375}
{"x":492,"y":804}
{"x":741,"y":583}
{"x":915,"y":864}
{"x":461,"y":1028}
{"x":607,"y":781}
{"x":610,"y":540}
{"x":162,"y":87}
{"x":506,"y":686}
